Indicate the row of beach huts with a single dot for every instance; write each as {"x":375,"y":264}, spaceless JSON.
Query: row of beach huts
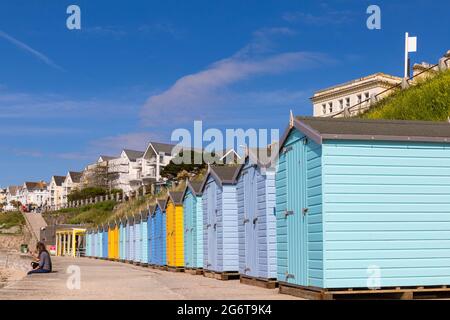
{"x":351,"y":207}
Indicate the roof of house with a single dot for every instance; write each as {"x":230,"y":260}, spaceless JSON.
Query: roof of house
{"x":133,"y":154}
{"x":165,"y":148}
{"x":106,"y":158}
{"x":319,"y":129}
{"x":30,"y":186}
{"x":176,"y":197}
{"x":59,"y":180}
{"x":14,"y":189}
{"x":376,"y":76}
{"x":75,"y":176}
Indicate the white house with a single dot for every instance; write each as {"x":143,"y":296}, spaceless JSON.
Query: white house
{"x":12,"y":194}
{"x":156,"y":157}
{"x":360,"y":92}
{"x":72,"y":181}
{"x":125,"y":170}
{"x":56,"y":192}
{"x":34,"y":193}
{"x":2,"y":198}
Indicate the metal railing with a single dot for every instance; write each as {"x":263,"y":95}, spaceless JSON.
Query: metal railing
{"x":366,"y":104}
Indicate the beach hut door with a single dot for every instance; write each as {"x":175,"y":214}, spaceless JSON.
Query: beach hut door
{"x":212,"y":226}
{"x":297,"y":219}
{"x":250,"y":223}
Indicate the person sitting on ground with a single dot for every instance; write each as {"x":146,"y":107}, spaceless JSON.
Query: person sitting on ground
{"x":44,"y":263}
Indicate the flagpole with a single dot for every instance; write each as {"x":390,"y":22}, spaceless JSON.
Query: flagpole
{"x":406,"y":56}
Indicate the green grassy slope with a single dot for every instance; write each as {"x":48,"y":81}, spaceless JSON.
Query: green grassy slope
{"x":11,"y":219}
{"x":428,"y":100}
{"x":92,"y":214}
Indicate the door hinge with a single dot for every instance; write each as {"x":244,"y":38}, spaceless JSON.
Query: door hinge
{"x":289,"y":276}
{"x":305,"y":211}
{"x":246,"y":269}
{"x":288,"y":213}
{"x":246,"y":220}
{"x":287,"y":149}
{"x":255,"y":220}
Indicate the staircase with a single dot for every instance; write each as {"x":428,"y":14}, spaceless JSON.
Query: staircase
{"x":34,"y":222}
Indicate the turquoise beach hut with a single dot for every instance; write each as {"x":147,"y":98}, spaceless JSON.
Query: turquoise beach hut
{"x":359,"y":197}
{"x":193,"y":225}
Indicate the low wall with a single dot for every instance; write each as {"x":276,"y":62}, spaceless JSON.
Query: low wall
{"x":11,"y":242}
{"x":15,"y":260}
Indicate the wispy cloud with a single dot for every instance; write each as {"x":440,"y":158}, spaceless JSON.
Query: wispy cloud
{"x":163,"y":28}
{"x":40,"y":56}
{"x":202,"y":94}
{"x":24,"y":105}
{"x":28,"y":153}
{"x":327,"y":17}
{"x":114,"y":31}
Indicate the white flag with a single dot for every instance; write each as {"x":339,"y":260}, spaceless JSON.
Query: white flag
{"x":412,"y":44}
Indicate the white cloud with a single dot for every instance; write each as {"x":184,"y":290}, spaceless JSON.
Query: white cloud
{"x":329,"y":17}
{"x":40,"y":56}
{"x":200,"y":93}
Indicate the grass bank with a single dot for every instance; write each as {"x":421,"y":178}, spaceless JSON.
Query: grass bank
{"x":428,"y":100}
{"x":10,"y":220}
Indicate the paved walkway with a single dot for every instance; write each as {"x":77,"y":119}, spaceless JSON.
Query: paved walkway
{"x":112,"y":280}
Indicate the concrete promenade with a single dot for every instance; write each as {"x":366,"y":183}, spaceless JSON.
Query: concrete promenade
{"x":112,"y":280}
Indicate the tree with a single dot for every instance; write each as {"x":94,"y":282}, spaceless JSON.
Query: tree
{"x":179,"y":170}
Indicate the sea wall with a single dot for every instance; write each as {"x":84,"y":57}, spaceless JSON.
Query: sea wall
{"x":15,"y":260}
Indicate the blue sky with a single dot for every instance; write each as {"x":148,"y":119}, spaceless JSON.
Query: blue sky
{"x":139,"y":69}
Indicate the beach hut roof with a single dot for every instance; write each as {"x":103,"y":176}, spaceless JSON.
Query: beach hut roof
{"x":194,"y":186}
{"x":320,"y":129}
{"x":175,"y":196}
{"x":222,"y":174}
{"x":161,"y":203}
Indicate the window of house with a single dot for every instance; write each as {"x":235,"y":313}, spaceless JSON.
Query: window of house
{"x":324,"y":108}
{"x":341,"y":104}
{"x":330,"y":106}
{"x":347,"y":102}
{"x":367,"y":95}
{"x":359,"y":98}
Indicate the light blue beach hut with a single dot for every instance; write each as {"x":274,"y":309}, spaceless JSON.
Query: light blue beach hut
{"x":122,"y":239}
{"x":363,"y":203}
{"x":256,"y":217}
{"x":131,"y":239}
{"x":193,"y":225}
{"x":105,"y":241}
{"x":150,"y":230}
{"x":144,"y":238}
{"x":220,"y":221}
{"x":137,"y":238}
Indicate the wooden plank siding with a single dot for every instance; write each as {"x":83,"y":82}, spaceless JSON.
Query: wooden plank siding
{"x":265,"y":246}
{"x":387,"y":205}
{"x":314,"y":205}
